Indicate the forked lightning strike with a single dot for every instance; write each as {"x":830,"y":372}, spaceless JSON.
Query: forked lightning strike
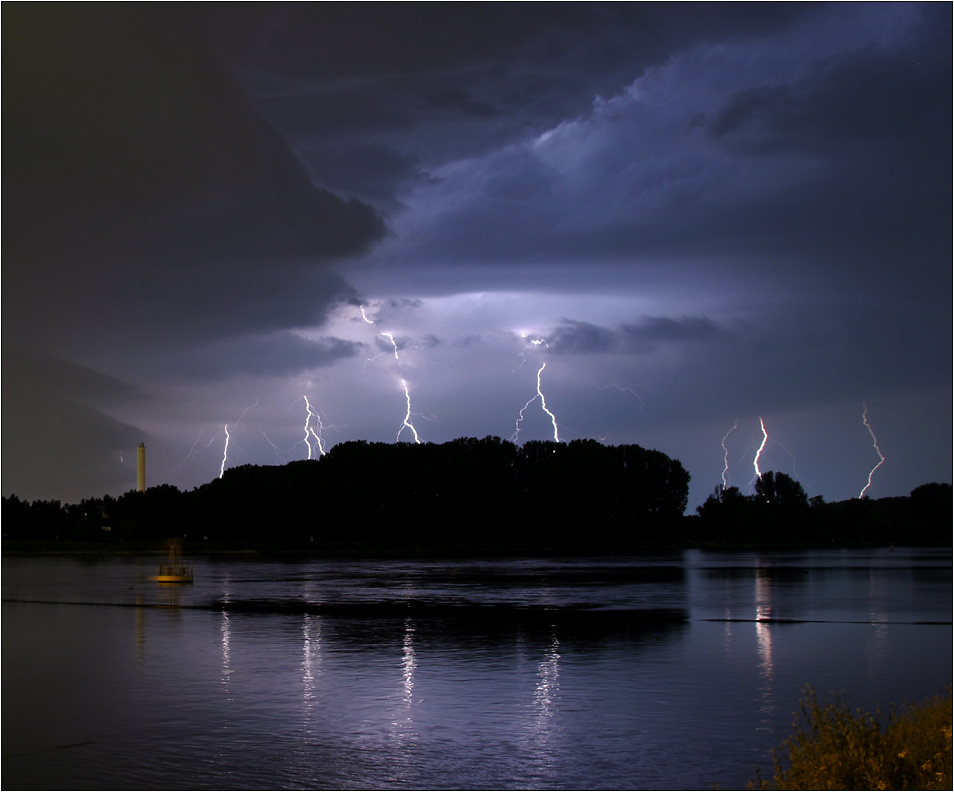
{"x":196,"y":443}
{"x":407,"y":417}
{"x":406,"y":423}
{"x":874,"y":442}
{"x":515,"y":437}
{"x":543,"y":403}
{"x":311,"y":432}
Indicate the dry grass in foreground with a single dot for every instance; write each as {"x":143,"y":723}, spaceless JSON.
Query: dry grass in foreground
{"x":834,"y":748}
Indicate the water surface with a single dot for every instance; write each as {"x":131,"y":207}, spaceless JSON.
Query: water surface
{"x":662,"y":671}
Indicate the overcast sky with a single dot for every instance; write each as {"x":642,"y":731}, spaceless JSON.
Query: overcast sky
{"x":245,"y":233}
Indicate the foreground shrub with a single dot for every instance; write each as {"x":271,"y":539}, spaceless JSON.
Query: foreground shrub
{"x":833,"y":748}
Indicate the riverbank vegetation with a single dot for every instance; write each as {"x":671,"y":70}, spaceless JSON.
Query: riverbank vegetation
{"x":833,"y":747}
{"x":779,"y":513}
{"x":473,"y":495}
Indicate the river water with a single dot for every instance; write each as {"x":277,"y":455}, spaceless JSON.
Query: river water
{"x":677,"y":671}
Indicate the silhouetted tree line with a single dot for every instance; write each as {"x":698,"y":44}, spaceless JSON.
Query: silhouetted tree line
{"x":485,"y":492}
{"x":780,"y":513}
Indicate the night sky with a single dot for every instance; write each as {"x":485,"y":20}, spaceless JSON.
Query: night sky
{"x":681,"y":218}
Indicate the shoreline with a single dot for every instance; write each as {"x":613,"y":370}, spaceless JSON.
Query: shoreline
{"x":355,"y":550}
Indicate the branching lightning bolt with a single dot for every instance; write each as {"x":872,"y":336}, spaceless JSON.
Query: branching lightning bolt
{"x":515,"y":437}
{"x":313,"y":431}
{"x":874,"y":442}
{"x":407,"y":416}
{"x":543,"y":404}
{"x":310,"y":430}
{"x":196,"y":443}
{"x":725,"y":458}
{"x":406,"y":423}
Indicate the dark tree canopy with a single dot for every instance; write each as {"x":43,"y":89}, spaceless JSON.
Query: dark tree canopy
{"x":485,"y":493}
{"x":478,"y":491}
{"x":779,"y":513}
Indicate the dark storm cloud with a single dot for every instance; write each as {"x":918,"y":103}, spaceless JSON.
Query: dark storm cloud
{"x":428,"y":341}
{"x":410,"y":86}
{"x":583,"y":338}
{"x":653,"y":330}
{"x":843,"y":102}
{"x":281,"y":354}
{"x":57,"y":434}
{"x":877,"y":123}
{"x":141,"y":173}
{"x":830,"y":171}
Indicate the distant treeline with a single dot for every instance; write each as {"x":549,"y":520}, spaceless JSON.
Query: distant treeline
{"x":488,"y":493}
{"x":780,"y":513}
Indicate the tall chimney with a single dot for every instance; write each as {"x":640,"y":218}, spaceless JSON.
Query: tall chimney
{"x":141,"y":469}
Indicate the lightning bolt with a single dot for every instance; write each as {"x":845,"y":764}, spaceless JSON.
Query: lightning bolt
{"x":309,"y":430}
{"x":278,"y":451}
{"x":390,"y":338}
{"x":313,"y":431}
{"x":406,"y":423}
{"x":194,"y":445}
{"x":514,"y":438}
{"x":725,"y":458}
{"x":874,"y":442}
{"x":225,"y":429}
{"x":225,"y":451}
{"x":758,"y":454}
{"x":543,"y":403}
{"x":407,"y":417}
